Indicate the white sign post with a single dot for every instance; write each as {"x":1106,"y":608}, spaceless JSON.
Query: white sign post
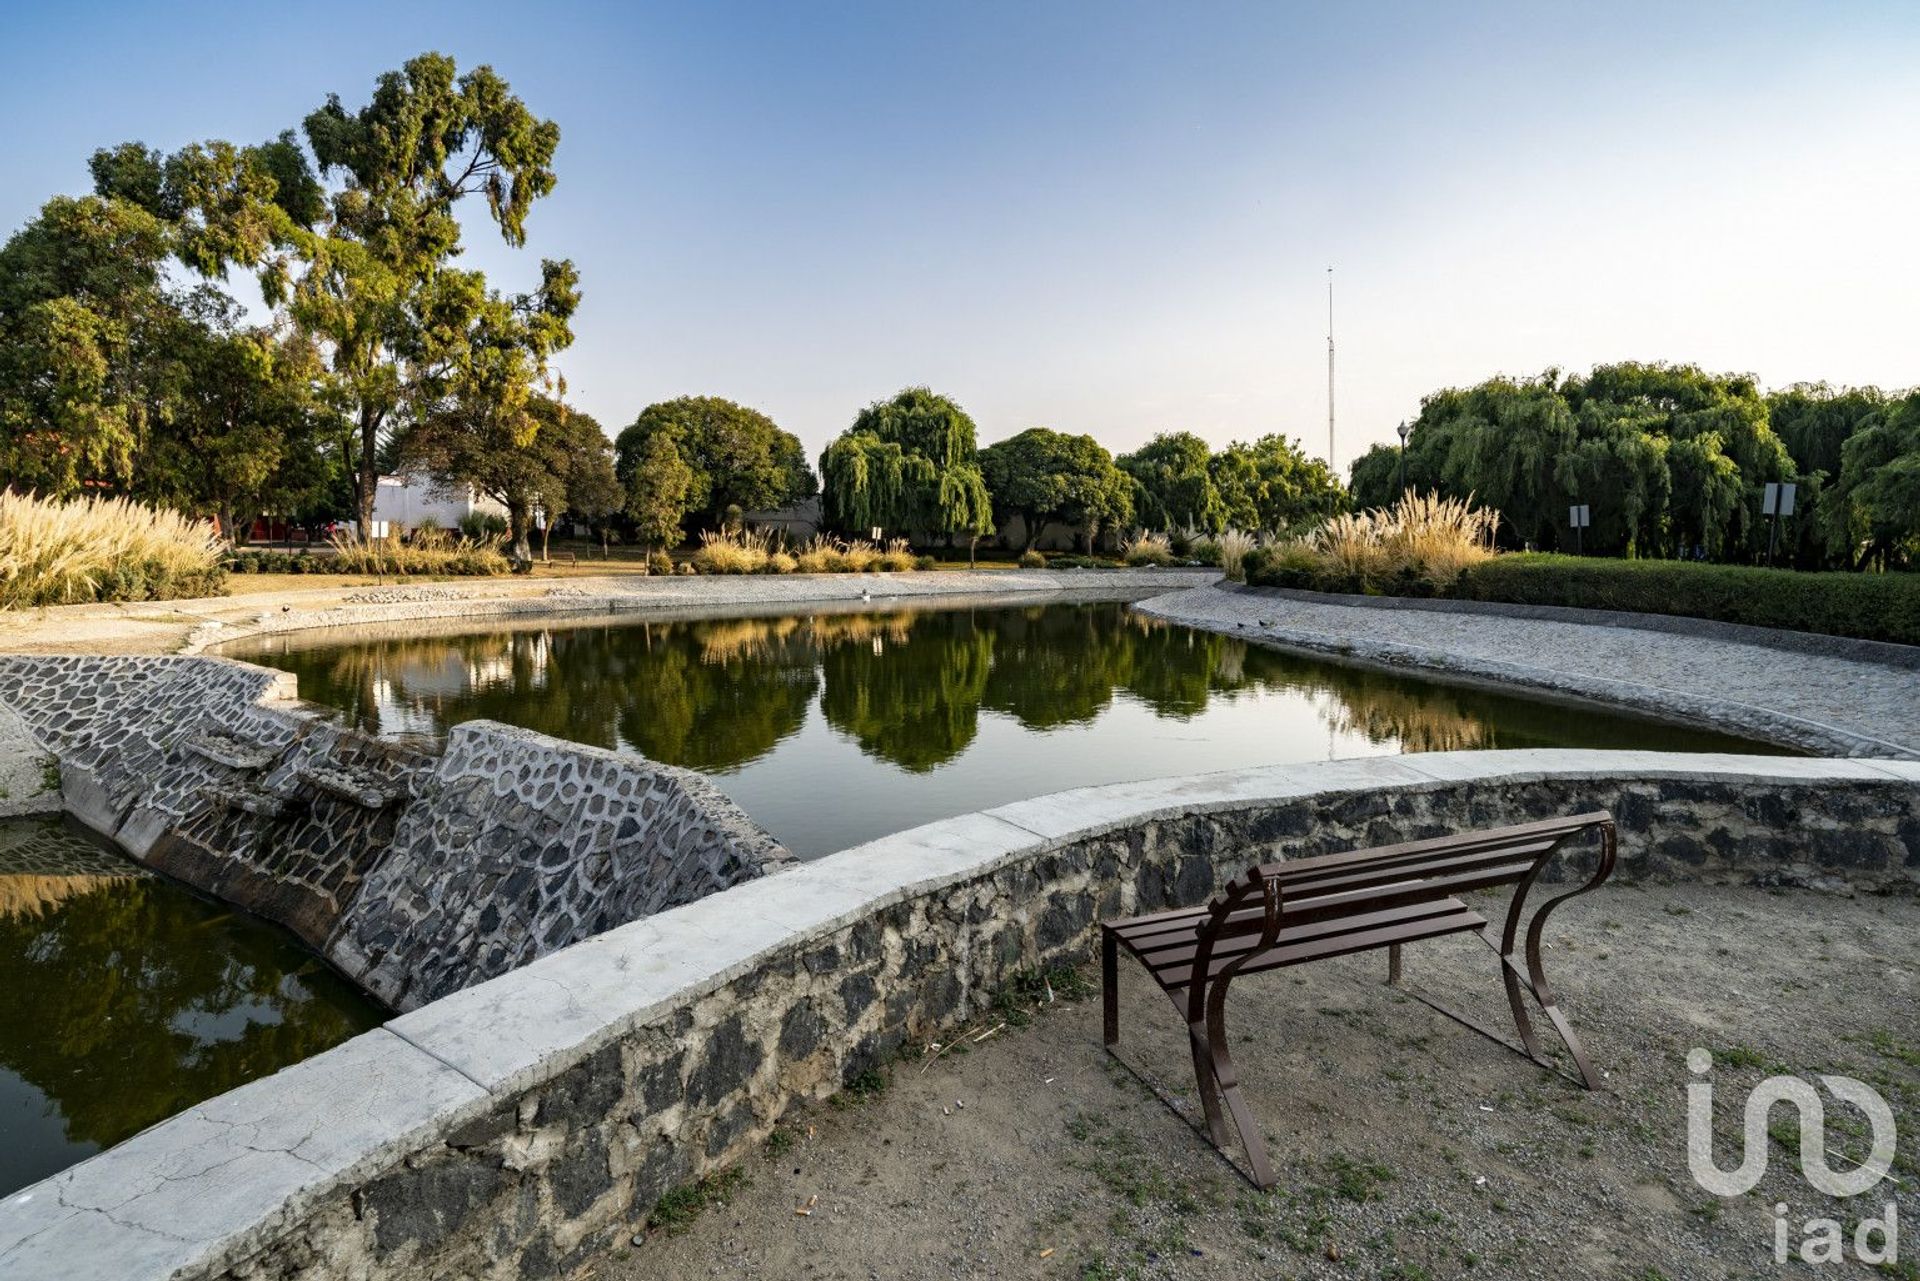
{"x":1776,"y":501}
{"x":1579,"y":517}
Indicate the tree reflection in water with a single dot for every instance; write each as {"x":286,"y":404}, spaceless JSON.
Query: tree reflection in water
{"x":124,"y":998}
{"x":960,"y":708}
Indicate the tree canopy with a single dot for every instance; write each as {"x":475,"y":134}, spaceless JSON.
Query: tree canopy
{"x":1670,"y":459}
{"x":907,"y":465}
{"x":1173,"y":483}
{"x":544,"y":456}
{"x":735,"y":457}
{"x":1046,"y":476}
{"x":1272,"y":484}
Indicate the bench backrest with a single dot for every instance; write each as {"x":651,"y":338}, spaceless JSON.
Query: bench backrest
{"x":1272,"y":897}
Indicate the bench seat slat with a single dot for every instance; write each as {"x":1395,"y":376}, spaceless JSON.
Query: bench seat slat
{"x":1166,"y":953}
{"x":1336,"y":945}
{"x":1178,"y":933}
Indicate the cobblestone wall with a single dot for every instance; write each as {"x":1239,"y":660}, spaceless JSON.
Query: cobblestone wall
{"x":417,"y":872}
{"x":518,"y":844}
{"x":547,"y":1173}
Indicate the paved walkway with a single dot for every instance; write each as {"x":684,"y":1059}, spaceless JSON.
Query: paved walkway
{"x":1835,"y":706}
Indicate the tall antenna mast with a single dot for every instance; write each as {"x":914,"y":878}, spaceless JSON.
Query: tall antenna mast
{"x":1330,"y":466}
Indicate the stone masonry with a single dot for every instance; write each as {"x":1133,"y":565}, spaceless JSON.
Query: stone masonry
{"x":416,"y":872}
{"x":519,"y":844}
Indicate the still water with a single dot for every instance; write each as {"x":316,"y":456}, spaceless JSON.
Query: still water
{"x":125,"y":998}
{"x":834,"y":728}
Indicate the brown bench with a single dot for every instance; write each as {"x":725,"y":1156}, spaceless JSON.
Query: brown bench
{"x":1307,"y":909}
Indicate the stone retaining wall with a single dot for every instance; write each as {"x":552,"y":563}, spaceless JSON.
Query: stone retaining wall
{"x":416,"y":871}
{"x":515,"y":1128}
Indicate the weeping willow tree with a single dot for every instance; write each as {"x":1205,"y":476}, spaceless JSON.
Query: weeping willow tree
{"x":907,"y":466}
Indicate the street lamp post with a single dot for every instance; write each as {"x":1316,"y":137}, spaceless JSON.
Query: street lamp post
{"x":1404,"y":430}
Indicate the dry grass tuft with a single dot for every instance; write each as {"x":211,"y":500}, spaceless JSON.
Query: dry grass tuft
{"x":733,"y":551}
{"x":102,"y":549}
{"x":1146,"y":548}
{"x":1422,"y":540}
{"x":432,"y":551}
{"x":1233,"y":547}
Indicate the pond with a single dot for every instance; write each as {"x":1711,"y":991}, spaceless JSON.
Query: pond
{"x":125,"y":998}
{"x":835,"y":728}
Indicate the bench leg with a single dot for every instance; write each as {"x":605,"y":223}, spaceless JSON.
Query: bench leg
{"x":1536,"y":984}
{"x":1393,"y":964}
{"x":1535,"y":975}
{"x":1228,"y":1076}
{"x":1206,"y":1077}
{"x":1110,"y":987}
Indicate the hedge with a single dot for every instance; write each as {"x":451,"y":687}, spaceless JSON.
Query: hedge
{"x":1883,"y":607}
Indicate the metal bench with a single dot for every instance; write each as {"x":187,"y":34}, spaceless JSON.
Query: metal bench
{"x":1307,"y":909}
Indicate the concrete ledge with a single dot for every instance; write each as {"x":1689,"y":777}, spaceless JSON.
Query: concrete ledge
{"x":519,"y":1126}
{"x":1885,"y":653}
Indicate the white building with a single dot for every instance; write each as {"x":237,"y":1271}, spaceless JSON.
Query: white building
{"x":405,"y":502}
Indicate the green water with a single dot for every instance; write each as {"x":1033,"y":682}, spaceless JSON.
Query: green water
{"x":125,"y":998}
{"x":834,"y":728}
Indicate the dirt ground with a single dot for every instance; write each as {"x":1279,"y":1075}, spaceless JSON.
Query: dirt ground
{"x":1408,"y":1147}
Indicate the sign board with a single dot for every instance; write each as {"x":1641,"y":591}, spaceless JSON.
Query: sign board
{"x":1580,"y":517}
{"x":379,"y":528}
{"x":1777,"y":500}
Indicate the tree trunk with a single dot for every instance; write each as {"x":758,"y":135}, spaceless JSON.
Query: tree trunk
{"x":369,"y":469}
{"x":519,"y":516}
{"x":546,"y":536}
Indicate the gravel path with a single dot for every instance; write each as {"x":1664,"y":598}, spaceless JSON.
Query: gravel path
{"x":1831,"y":705}
{"x":1407,"y":1147}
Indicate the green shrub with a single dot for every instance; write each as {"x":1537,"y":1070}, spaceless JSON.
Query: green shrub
{"x":924,"y":563}
{"x":1032,"y":559}
{"x":479,"y":527}
{"x":659,"y":563}
{"x":1869,"y":606}
{"x":266,"y":560}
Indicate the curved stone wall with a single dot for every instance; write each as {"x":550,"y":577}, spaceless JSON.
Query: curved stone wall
{"x":516,"y":1127}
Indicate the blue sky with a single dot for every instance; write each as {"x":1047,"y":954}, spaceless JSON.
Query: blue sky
{"x":1114,"y":218}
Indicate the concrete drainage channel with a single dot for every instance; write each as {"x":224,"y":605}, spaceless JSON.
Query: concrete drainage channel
{"x":518,"y":1126}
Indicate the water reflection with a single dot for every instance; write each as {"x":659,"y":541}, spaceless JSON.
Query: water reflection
{"x":124,"y":998}
{"x":837,"y":727}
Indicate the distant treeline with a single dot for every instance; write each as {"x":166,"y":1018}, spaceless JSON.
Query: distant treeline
{"x":1671,"y":462}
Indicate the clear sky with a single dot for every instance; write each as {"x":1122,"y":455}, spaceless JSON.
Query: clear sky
{"x":1114,"y":218}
